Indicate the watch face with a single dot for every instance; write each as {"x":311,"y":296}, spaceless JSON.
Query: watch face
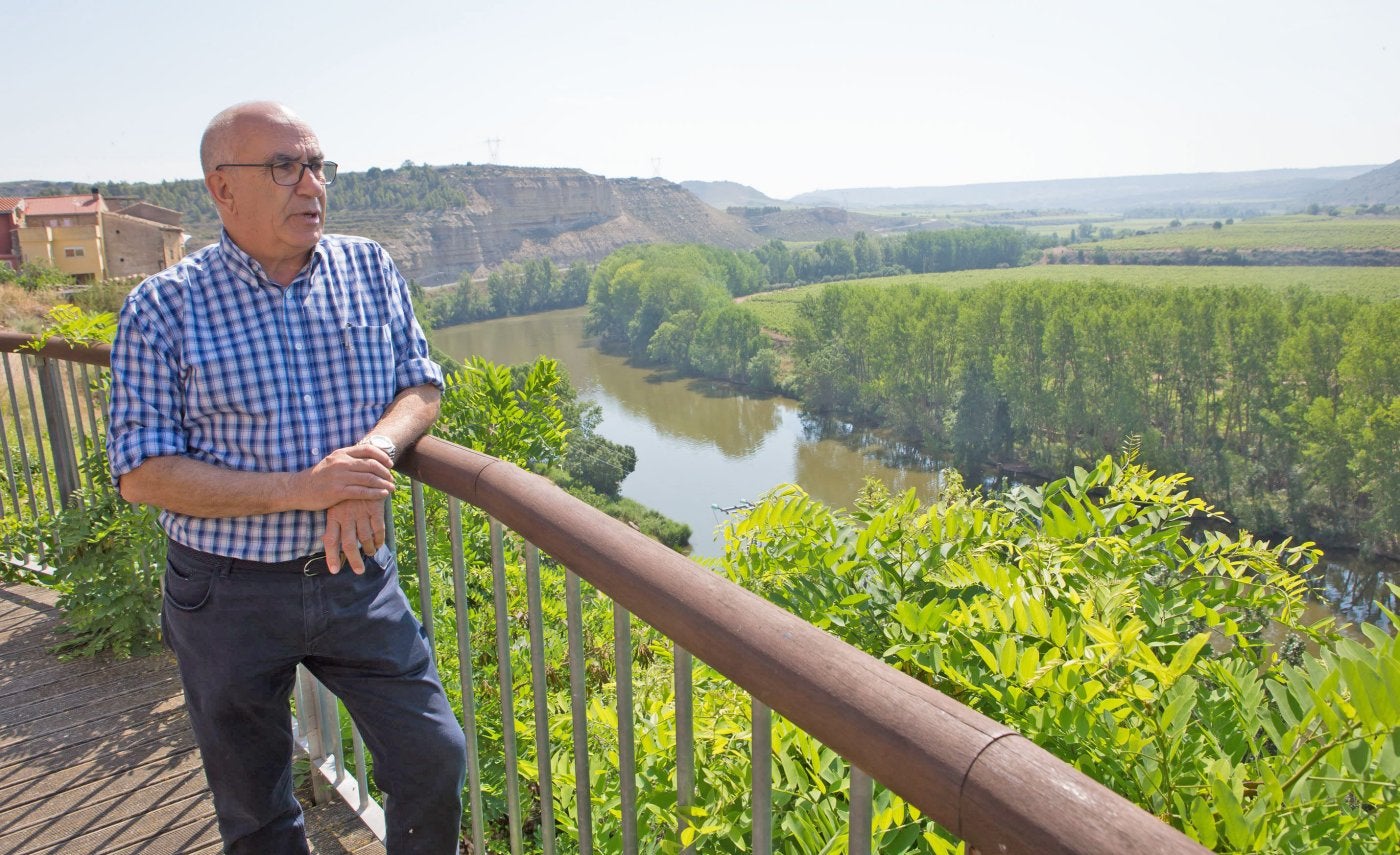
{"x":385,"y":445}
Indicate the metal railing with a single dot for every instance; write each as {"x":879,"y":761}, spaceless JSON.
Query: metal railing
{"x":975,"y":777}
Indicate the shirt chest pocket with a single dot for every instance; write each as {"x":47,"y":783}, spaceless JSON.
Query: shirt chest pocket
{"x":371,"y":365}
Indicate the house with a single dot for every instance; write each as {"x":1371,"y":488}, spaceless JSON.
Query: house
{"x":88,"y":239}
{"x":11,"y":208}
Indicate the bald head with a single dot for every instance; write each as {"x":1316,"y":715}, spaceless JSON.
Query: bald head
{"x":220,"y":141}
{"x":277,"y":224}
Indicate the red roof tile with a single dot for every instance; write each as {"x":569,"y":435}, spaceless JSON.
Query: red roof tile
{"x":8,"y":203}
{"x":54,"y":206}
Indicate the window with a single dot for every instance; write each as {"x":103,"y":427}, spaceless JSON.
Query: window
{"x":73,"y":252}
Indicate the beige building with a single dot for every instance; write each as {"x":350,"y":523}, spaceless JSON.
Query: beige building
{"x":91,"y":240}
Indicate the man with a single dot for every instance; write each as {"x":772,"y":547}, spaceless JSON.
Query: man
{"x":261,"y":389}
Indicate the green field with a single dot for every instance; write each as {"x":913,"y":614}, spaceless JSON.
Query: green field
{"x":777,"y":310}
{"x":1294,"y":231}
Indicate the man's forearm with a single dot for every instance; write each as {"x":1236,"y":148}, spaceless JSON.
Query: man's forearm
{"x":198,"y":489}
{"x":409,"y":415}
{"x":194,"y":488}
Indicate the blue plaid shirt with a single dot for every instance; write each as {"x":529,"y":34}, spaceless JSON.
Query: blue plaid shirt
{"x":214,"y":361}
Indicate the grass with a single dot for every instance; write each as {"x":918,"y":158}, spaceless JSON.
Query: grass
{"x":25,"y":311}
{"x":1294,"y":231}
{"x":777,"y":310}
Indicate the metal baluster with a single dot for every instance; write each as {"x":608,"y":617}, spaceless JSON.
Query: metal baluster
{"x":762,"y":765}
{"x":19,"y":441}
{"x":425,"y":578}
{"x":330,"y":709}
{"x":507,"y":684}
{"x":312,"y":723}
{"x":361,"y":772}
{"x":28,"y":471}
{"x":862,"y":797}
{"x":58,"y":433}
{"x":541,"y":698}
{"x":626,"y":731}
{"x":578,"y":703}
{"x":685,"y":743}
{"x":464,"y":671}
{"x":91,"y":392}
{"x":80,"y":441}
{"x":9,"y":464}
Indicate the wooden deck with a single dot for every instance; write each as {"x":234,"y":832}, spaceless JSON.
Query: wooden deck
{"x":97,"y":756}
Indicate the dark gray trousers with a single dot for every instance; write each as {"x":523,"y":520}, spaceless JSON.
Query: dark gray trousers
{"x":239,"y":629}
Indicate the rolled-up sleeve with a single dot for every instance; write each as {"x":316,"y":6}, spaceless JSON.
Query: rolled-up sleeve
{"x":413,"y":364}
{"x":148,"y":403}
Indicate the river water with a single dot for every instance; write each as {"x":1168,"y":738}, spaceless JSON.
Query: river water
{"x":702,"y":444}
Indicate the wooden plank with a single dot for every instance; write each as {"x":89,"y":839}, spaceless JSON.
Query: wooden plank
{"x":120,"y":813}
{"x":58,"y":792}
{"x":65,"y":692}
{"x":332,"y":829}
{"x":198,"y":837}
{"x":37,"y":595}
{"x":48,"y":669}
{"x":39,"y":631}
{"x":160,"y":736}
{"x":164,"y":830}
{"x":94,"y":732}
{"x":91,"y":722}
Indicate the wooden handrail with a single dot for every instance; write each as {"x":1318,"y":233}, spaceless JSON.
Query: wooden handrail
{"x":980,"y":779}
{"x":56,"y":348}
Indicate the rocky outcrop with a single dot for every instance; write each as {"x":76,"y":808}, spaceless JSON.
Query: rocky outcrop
{"x":566,"y":215}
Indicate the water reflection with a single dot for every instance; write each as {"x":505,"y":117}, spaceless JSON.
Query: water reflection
{"x":701,"y":443}
{"x":1355,"y":584}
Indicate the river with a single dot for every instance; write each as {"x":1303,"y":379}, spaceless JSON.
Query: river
{"x":702,"y":444}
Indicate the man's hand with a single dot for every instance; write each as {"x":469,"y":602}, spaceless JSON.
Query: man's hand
{"x":357,"y":472}
{"x":353,"y":527}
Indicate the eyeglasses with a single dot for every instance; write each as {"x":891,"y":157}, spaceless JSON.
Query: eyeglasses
{"x":289,"y":173}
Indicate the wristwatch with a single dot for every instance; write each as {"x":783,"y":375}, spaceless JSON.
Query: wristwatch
{"x":384,"y":444}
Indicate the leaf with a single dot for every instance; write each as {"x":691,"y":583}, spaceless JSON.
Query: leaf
{"x":1203,"y":821}
{"x":1185,"y":657}
{"x":1236,"y":829}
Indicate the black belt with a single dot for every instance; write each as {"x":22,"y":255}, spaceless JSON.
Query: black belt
{"x":307,"y":565}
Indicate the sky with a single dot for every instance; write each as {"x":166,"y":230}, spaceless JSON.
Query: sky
{"x":786,"y":97}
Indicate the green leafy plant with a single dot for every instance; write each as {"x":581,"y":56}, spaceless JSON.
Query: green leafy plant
{"x":1098,"y":617}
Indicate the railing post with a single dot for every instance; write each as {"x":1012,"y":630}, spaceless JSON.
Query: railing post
{"x":761,"y":765}
{"x":464,"y":669}
{"x":685,"y":744}
{"x":578,"y":702}
{"x":626,"y":728}
{"x":65,"y":463}
{"x":541,"y":697}
{"x":506,"y":681}
{"x":312,"y":724}
{"x":861,"y":812}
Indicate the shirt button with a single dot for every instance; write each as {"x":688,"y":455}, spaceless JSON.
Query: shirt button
{"x":316,"y":451}
{"x":306,"y":398}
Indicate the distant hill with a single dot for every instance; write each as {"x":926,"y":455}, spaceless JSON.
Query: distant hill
{"x":441,"y":221}
{"x":1273,"y":189}
{"x":731,"y":194}
{"x":1378,"y":187}
{"x":817,"y":224}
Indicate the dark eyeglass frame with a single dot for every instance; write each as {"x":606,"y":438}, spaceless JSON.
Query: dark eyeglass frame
{"x":323,"y":172}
